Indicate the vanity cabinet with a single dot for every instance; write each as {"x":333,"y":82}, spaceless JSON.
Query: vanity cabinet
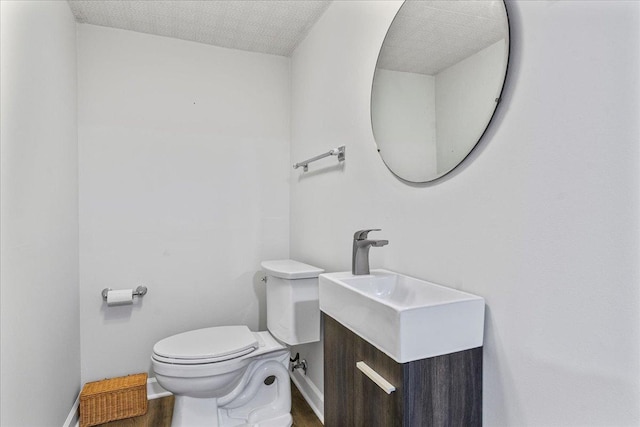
{"x":438,"y":391}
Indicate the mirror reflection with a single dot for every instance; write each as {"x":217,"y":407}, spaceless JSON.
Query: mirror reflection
{"x":437,"y":82}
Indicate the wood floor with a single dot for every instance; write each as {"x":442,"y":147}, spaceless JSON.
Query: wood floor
{"x":158,"y":415}
{"x":303,"y":415}
{"x":161,"y":410}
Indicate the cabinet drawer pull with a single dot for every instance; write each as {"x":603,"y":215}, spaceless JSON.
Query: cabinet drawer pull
{"x":376,"y":377}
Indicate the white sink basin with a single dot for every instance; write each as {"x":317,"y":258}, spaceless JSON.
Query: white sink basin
{"x":408,"y":319}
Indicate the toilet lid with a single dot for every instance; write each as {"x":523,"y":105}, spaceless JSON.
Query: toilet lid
{"x":290,"y":269}
{"x":206,"y":345}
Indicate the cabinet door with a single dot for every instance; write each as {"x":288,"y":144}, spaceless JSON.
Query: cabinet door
{"x":436,"y":392}
{"x":352,"y":399}
{"x":374,"y":406}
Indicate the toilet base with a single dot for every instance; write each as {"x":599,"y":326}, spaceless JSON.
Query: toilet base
{"x":281,"y":421}
{"x":254,"y":402}
{"x":195,"y":412}
{"x":204,"y":413}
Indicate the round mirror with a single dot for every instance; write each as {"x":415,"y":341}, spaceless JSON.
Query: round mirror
{"x":437,"y":83}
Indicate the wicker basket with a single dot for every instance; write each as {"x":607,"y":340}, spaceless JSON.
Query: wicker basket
{"x":113,"y":399}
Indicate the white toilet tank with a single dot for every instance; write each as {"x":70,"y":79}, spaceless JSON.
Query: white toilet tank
{"x":293,"y":311}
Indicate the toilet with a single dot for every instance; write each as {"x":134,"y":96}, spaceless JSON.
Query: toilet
{"x":230,"y":376}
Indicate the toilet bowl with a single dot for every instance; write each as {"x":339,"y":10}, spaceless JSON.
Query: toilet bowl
{"x":231,"y":376}
{"x":212,"y":383}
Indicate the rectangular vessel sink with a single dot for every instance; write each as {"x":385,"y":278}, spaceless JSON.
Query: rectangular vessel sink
{"x":406,"y":318}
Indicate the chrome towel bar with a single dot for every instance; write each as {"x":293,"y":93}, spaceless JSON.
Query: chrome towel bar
{"x":339,"y":151}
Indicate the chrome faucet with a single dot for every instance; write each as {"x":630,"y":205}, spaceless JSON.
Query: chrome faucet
{"x":360,"y":256}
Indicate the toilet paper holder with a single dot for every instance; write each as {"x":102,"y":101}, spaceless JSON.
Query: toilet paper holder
{"x":137,"y":292}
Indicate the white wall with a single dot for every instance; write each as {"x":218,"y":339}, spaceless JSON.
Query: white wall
{"x":462,"y":111}
{"x":40,"y":351}
{"x":184,"y":168}
{"x":542,"y":220}
{"x":403,"y":116}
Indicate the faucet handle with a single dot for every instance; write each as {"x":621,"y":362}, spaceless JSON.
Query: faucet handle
{"x":362,"y":234}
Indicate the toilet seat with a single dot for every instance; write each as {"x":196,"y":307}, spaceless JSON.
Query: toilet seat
{"x":268,"y":348}
{"x":207,"y":345}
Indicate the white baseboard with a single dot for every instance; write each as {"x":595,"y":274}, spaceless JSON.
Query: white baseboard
{"x":310,"y":392}
{"x":154,"y":391}
{"x":73,"y":419}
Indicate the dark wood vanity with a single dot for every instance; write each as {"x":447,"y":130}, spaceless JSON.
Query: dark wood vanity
{"x":438,"y":391}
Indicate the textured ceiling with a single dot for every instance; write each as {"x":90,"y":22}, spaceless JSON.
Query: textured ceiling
{"x":429,"y":36}
{"x":426,"y":36}
{"x":267,"y":26}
